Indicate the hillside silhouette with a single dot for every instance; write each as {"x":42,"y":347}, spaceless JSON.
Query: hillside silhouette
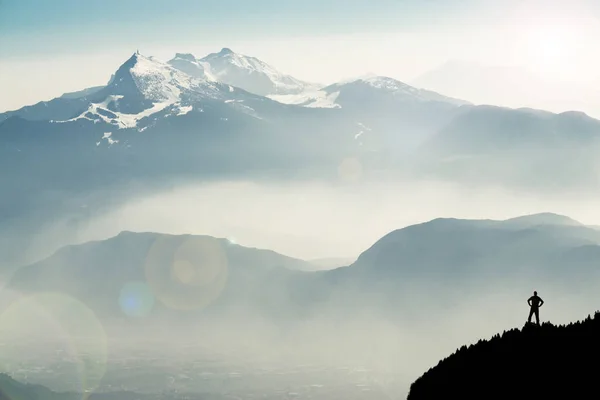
{"x":535,"y":362}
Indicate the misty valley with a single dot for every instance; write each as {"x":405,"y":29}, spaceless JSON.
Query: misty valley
{"x":187,"y":316}
{"x":197,"y":373}
{"x":212,"y":228}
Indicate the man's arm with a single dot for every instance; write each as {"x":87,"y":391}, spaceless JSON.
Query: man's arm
{"x":529,"y":301}
{"x":541,"y":302}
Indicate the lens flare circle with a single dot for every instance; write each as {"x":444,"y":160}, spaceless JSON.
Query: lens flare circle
{"x":136,"y":299}
{"x":49,"y":320}
{"x":187,"y":273}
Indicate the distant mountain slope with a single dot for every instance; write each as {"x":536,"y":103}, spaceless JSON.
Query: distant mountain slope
{"x":447,"y":253}
{"x":546,"y":362}
{"x":522,"y":147}
{"x":185,"y":272}
{"x":488,"y":129}
{"x":194,"y":276}
{"x":374,"y":91}
{"x":394,"y":118}
{"x":349,"y":91}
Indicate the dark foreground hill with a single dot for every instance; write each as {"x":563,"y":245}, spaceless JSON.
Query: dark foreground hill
{"x":536,"y":362}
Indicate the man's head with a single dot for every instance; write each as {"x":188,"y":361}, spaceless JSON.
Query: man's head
{"x":534,"y":293}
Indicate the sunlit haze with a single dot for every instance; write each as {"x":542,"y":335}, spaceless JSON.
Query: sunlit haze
{"x":318,"y":199}
{"x":553,"y":40}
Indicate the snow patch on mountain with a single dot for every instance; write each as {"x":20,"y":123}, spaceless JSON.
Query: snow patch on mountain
{"x":363,"y":129}
{"x":109,"y":139}
{"x":313,"y":99}
{"x":97,"y":112}
{"x":107,"y":136}
{"x":240,"y":106}
{"x":183,"y":110}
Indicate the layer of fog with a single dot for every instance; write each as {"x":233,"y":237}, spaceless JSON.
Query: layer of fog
{"x":390,"y":354}
{"x":309,"y":220}
{"x":320,"y":220}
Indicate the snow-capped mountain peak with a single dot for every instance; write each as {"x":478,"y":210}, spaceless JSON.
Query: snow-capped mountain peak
{"x":394,"y":88}
{"x":143,"y":86}
{"x":379,"y":82}
{"x":386,"y":83}
{"x":364,"y":76}
{"x":249,"y":73}
{"x":185,"y":56}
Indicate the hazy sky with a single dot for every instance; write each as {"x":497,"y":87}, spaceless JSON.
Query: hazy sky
{"x":51,"y":47}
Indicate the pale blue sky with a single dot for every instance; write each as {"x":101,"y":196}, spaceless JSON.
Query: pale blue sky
{"x":43,"y":26}
{"x":48,"y":47}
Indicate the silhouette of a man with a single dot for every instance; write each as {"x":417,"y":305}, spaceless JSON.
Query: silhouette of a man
{"x":535,"y":302}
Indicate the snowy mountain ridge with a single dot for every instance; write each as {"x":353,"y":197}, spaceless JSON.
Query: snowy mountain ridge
{"x":245,"y":72}
{"x":145,"y":86}
{"x":397,"y":89}
{"x":327,"y":97}
{"x":153,"y":83}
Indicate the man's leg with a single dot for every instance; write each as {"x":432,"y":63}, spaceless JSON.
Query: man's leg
{"x":537,"y":316}
{"x":530,"y":315}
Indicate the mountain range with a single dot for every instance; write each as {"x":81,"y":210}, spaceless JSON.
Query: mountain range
{"x":179,"y":277}
{"x":156,"y":124}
